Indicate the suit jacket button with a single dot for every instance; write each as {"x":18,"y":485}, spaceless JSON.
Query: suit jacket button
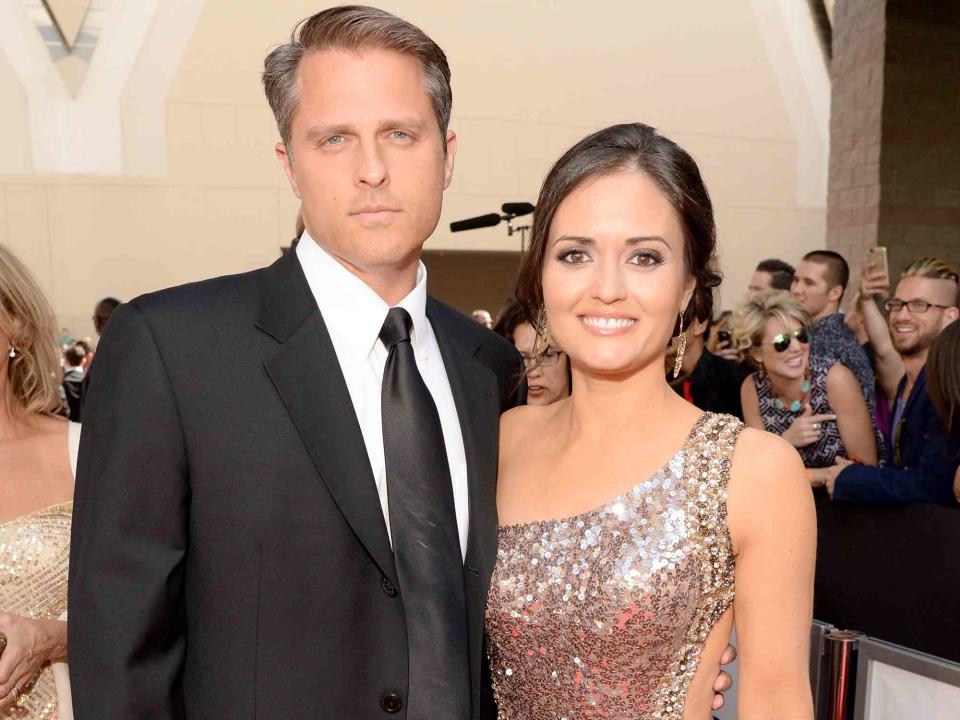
{"x":389,"y":588}
{"x":391,"y":702}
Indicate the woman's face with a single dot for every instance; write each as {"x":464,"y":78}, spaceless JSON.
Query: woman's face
{"x":614,"y":278}
{"x":549,"y":382}
{"x":789,"y":364}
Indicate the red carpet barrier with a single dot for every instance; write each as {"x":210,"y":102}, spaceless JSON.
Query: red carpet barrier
{"x":891,"y":572}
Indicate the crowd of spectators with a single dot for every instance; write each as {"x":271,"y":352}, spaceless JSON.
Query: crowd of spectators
{"x":870,"y":397}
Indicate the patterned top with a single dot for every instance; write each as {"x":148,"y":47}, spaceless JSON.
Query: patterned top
{"x":34,"y":556}
{"x":825,"y":451}
{"x":605,"y":614}
{"x":835,"y":342}
{"x":829,"y":447}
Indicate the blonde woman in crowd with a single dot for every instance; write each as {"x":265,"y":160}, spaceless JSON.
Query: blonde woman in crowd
{"x":818,"y":408}
{"x":37,"y":460}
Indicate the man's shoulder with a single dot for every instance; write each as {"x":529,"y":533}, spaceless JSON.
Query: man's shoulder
{"x":224,"y":294}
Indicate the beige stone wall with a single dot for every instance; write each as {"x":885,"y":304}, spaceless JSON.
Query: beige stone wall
{"x":189,"y":187}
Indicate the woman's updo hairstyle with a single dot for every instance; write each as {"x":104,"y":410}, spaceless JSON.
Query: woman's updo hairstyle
{"x":639,"y":148}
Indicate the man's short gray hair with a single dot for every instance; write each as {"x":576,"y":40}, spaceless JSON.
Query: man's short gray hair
{"x":355,"y":28}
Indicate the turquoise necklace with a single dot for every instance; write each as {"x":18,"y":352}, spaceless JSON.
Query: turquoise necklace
{"x":796,"y":405}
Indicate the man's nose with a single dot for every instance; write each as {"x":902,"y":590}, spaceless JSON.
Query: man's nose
{"x":371,"y":169}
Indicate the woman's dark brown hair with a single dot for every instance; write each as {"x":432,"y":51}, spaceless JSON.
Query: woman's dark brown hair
{"x":639,"y":148}
{"x":943,"y":377}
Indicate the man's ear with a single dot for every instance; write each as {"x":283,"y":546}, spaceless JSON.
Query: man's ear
{"x":950,"y":315}
{"x":450,"y":157}
{"x":286,"y":162}
{"x":835,"y":293}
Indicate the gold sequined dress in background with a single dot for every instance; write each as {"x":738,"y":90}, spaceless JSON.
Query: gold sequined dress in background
{"x":34,"y":557}
{"x":605,"y":614}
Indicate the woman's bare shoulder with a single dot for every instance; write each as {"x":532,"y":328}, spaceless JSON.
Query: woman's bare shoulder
{"x":767,"y":479}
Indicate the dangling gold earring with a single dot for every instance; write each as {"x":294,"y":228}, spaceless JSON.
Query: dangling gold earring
{"x":544,"y":339}
{"x":681,"y":348}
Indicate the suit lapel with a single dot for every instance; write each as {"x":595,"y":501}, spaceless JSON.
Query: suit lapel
{"x":476,"y":396}
{"x":307,"y":376}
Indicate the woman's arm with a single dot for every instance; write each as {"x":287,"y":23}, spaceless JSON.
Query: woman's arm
{"x":853,"y":415}
{"x":750,"y":403}
{"x":773,"y":526}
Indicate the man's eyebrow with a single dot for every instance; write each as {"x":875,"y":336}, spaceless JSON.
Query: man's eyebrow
{"x":411,"y":123}
{"x":317,"y":132}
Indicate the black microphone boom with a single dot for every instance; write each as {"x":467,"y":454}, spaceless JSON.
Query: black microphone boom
{"x":517,"y":209}
{"x":474,"y":223}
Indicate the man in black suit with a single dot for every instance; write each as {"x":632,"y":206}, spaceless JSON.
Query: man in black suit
{"x":320,"y":544}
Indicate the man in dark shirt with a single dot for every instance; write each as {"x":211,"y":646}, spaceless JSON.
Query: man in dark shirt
{"x":818,"y":284}
{"x":710,"y":382}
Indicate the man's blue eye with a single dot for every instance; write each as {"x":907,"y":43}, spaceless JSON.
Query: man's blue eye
{"x":334,"y":139}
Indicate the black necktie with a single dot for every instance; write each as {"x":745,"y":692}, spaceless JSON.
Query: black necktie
{"x":423,"y":527}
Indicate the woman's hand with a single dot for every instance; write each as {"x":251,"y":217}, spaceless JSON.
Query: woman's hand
{"x":31,"y":645}
{"x":806,"y":429}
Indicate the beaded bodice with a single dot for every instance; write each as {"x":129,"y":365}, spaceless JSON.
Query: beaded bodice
{"x":605,"y":614}
{"x":34,"y":557}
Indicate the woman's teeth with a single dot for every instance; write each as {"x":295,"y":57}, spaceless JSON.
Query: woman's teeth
{"x":607,"y":323}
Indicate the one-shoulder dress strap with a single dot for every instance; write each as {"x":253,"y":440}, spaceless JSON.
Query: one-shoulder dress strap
{"x":708,"y":477}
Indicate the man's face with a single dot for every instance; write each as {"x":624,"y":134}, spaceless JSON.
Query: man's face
{"x":760,"y":281}
{"x":813,"y":291}
{"x":913,"y":333}
{"x":367,"y":159}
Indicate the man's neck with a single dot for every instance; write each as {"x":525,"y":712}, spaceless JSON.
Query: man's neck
{"x":827,"y":312}
{"x":912,"y":366}
{"x":392,"y":283}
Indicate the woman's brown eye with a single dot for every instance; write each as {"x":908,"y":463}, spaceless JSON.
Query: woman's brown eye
{"x":574,"y":257}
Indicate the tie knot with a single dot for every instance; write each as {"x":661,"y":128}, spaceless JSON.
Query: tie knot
{"x":396,"y":328}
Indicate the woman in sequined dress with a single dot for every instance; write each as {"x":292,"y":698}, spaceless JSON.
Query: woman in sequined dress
{"x":37,"y":457}
{"x":633,"y":527}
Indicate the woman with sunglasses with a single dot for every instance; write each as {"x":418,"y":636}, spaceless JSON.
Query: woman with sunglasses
{"x":818,"y":408}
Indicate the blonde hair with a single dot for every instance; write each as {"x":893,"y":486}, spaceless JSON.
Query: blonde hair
{"x":934,"y":269}
{"x":750,"y":319}
{"x":26,"y":316}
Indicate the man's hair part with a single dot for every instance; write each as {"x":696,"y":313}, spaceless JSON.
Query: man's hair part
{"x":354,"y":28}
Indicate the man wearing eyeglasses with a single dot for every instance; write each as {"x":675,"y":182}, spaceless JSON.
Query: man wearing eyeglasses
{"x":921,"y":459}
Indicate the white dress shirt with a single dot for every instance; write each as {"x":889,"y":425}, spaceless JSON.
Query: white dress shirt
{"x":354,"y":315}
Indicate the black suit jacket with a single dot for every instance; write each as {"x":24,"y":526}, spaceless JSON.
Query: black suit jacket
{"x":229,"y":556}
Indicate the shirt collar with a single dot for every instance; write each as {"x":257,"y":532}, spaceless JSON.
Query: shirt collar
{"x":834,"y":320}
{"x":351,"y":310}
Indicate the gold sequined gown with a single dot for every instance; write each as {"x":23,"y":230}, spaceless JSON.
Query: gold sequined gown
{"x":605,"y":614}
{"x":34,"y":555}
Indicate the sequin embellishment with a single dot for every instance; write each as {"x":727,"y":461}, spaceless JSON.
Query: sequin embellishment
{"x":605,"y":614}
{"x":34,"y":557}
